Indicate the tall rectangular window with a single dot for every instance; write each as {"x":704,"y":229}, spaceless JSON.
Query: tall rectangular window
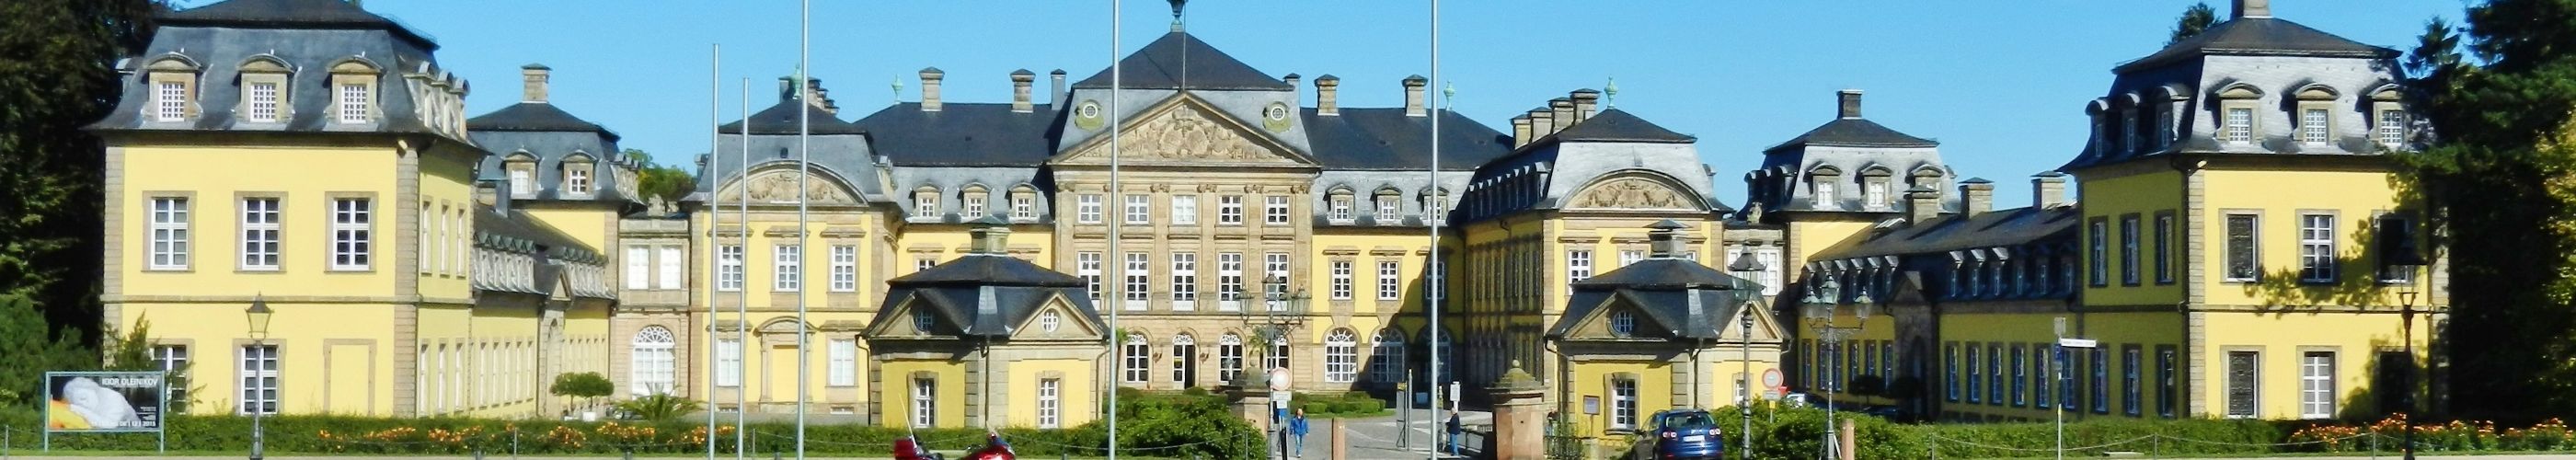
{"x":1185,"y":209}
{"x":1388,"y":206}
{"x":172,"y":360}
{"x":1087,"y":208}
{"x":728,"y":362}
{"x":1623,"y":403}
{"x":669,"y":267}
{"x":1229,"y":281}
{"x":523,"y":183}
{"x":2392,"y":129}
{"x":787,"y":268}
{"x":352,"y":236}
{"x":263,"y":101}
{"x":170,"y":100}
{"x":2041,"y":375}
{"x":1976,"y":375}
{"x":353,"y":103}
{"x":638,"y":260}
{"x":1274,"y":270}
{"x":1950,"y":371}
{"x":1139,"y":287}
{"x":1341,"y":284}
{"x":1995,"y":385}
{"x":2168,"y":390}
{"x":1824,"y":195}
{"x":2130,"y":252}
{"x":2316,"y":385}
{"x":169,"y":233}
{"x":1275,"y":210}
{"x":1578,"y":265}
{"x":2130,"y":378}
{"x":2317,"y":248}
{"x":1050,"y":403}
{"x":2020,"y":378}
{"x":843,"y":358}
{"x":2164,"y":249}
{"x":925,"y":402}
{"x":1389,"y":284}
{"x":2243,"y":254}
{"x":260,"y":233}
{"x":1185,"y":281}
{"x":2098,"y":242}
{"x":2240,"y":124}
{"x":577,"y":180}
{"x":1140,"y":209}
{"x":1229,"y":210}
{"x":2100,"y":392}
{"x":2396,"y":235}
{"x":259,"y":378}
{"x":1087,"y":266}
{"x":729,"y":268}
{"x":2312,"y":126}
{"x":1341,"y":208}
{"x":845,"y":268}
{"x":1874,"y":194}
{"x":1024,"y":206}
{"x":2129,"y":130}
{"x":1136,"y":360}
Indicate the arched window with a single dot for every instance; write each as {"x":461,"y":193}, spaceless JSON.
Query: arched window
{"x":1341,"y":356}
{"x":1184,"y":373}
{"x":1229,"y":356}
{"x":649,"y":366}
{"x":1137,"y":359}
{"x":1278,"y":357}
{"x":1387,"y":358}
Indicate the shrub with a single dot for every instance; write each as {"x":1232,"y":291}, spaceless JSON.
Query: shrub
{"x":658,"y":407}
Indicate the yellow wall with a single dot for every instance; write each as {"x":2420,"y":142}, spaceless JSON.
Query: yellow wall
{"x":356,"y":379}
{"x":2143,"y":195}
{"x":447,"y":184}
{"x":2114,"y":332}
{"x":1591,"y":379}
{"x":1074,"y":404}
{"x":2280,"y":197}
{"x":2281,"y":339}
{"x":896,"y":391}
{"x":214,"y":174}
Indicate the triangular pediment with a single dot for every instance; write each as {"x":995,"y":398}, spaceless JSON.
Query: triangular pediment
{"x":900,"y":322}
{"x":562,"y":286}
{"x":1070,"y":323}
{"x":1766,"y":326}
{"x":1187,"y":131}
{"x":1596,"y":324}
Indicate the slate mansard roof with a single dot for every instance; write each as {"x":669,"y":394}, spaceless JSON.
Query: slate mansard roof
{"x":1693,"y":299}
{"x":315,"y":14}
{"x":986,"y":294}
{"x":550,"y":135}
{"x":308,"y":38}
{"x":1179,"y":60}
{"x":2259,"y":36}
{"x":2002,"y":227}
{"x":2274,"y":62}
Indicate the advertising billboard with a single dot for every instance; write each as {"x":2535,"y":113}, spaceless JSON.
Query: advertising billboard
{"x":103,"y":401}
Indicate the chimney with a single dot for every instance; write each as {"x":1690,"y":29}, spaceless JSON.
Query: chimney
{"x":534,"y":87}
{"x":2246,"y":9}
{"x":1542,"y":123}
{"x":930,"y":77}
{"x":1847,"y":104}
{"x":1976,"y":196}
{"x":1663,"y":240}
{"x":1059,"y":93}
{"x":991,"y":235}
{"x":821,"y":97}
{"x":1564,"y":113}
{"x":1922,"y":203}
{"x":1413,"y":96}
{"x":786,"y":88}
{"x":494,"y":193}
{"x":1293,"y":81}
{"x":1328,"y":101}
{"x":1584,"y":100}
{"x":1020,"y":81}
{"x":1520,"y":130}
{"x":2048,"y":189}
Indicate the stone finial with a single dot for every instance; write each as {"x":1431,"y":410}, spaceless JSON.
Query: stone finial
{"x":1518,"y":379}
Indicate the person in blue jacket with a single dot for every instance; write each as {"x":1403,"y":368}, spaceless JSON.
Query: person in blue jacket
{"x":1297,"y":432}
{"x":1455,"y":430}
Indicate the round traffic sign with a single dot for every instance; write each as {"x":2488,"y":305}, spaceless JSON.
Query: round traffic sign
{"x":1278,"y":379}
{"x":1771,"y":377}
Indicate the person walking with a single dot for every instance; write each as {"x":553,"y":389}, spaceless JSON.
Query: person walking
{"x":1455,"y":430}
{"x":1297,"y":433}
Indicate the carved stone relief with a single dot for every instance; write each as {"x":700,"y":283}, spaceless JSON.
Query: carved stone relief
{"x":1633,"y":193}
{"x":780,"y":187}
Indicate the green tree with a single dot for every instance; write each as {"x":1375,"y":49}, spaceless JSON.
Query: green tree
{"x":589,"y":386}
{"x":31,"y":350}
{"x":2195,"y":19}
{"x":669,"y":183}
{"x":2501,"y":184}
{"x":56,"y":75}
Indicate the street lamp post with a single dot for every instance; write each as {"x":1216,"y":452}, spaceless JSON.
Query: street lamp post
{"x":1745,"y":268}
{"x":1819,"y":310}
{"x":259,"y":315}
{"x":2406,"y":315}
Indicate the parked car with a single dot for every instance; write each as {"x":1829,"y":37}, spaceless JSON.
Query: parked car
{"x":907,"y":448}
{"x":1685,"y":434}
{"x":1891,"y":413}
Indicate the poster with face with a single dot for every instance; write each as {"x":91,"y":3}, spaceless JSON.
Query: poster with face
{"x":103,"y":401}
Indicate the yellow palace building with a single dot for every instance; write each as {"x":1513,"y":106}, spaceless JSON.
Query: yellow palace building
{"x":958,"y":260}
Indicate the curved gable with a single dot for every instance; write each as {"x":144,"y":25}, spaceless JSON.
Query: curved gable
{"x":1636,"y":189}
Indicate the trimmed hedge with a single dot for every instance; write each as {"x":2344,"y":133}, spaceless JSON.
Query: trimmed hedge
{"x":1340,"y":404}
{"x":1799,"y":432}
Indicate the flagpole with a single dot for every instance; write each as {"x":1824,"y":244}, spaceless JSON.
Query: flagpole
{"x":742,"y":295}
{"x":1431,"y":210}
{"x":804,"y":169}
{"x":1117,"y":289}
{"x":715,"y":141}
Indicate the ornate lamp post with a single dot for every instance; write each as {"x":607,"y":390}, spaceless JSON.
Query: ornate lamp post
{"x":1745,"y":268}
{"x":2406,"y":313}
{"x":1820,"y":313}
{"x":259,"y":315}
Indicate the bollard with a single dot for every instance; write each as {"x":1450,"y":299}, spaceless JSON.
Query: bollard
{"x":478,"y":452}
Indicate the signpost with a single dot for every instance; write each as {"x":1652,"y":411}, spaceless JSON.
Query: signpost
{"x":105,"y":402}
{"x":2057,"y":372}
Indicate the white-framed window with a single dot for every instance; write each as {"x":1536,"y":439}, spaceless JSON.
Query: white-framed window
{"x":1627,"y":258}
{"x":1387,"y":357}
{"x":1341,"y":208}
{"x":1950,"y":382}
{"x":1185,"y":281}
{"x":1278,"y":357}
{"x":1050,"y":403}
{"x":845,"y":268}
{"x":842,"y":356}
{"x":925,"y":402}
{"x":260,"y":233}
{"x":2099,"y":248}
{"x":1140,"y":286}
{"x":1824,"y":190}
{"x":1341,"y":357}
{"x":1140,"y":209}
{"x":2312,"y":126}
{"x":577,"y":179}
{"x":2392,"y":128}
{"x":729,"y":267}
{"x":169,"y":233}
{"x":1274,"y":270}
{"x":2130,"y":250}
{"x":2129,"y":130}
{"x":1185,"y":209}
{"x":924,"y":264}
{"x":1874,"y":194}
{"x":651,"y":364}
{"x":668,"y":268}
{"x":1184,"y":347}
{"x":2317,"y":248}
{"x":1087,"y":266}
{"x":1623,"y":323}
{"x":1578,"y":265}
{"x":352,"y":237}
{"x":787,"y":267}
{"x":1229,"y":356}
{"x":1086,"y":208}
{"x":170,"y":100}
{"x":1274,"y":210}
{"x":1341,"y":287}
{"x":259,"y":377}
{"x":353,"y":103}
{"x":172,"y":360}
{"x":1024,"y":206}
{"x":638,"y":260}
{"x":2240,"y":124}
{"x":1388,"y":208}
{"x":1229,"y":281}
{"x":1136,"y":360}
{"x":925,"y":203}
{"x":1390,"y":284}
{"x":972,"y":204}
{"x":1623,"y":404}
{"x":263,"y":101}
{"x":1229,"y":210}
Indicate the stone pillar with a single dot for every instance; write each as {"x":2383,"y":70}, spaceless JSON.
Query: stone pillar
{"x":1849,"y":439}
{"x":1341,"y":446}
{"x":1520,"y":416}
{"x":1251,"y":393}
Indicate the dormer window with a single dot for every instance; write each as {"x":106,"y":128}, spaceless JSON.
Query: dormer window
{"x":170,"y":100}
{"x":1024,"y":204}
{"x":1389,"y":205}
{"x":2129,"y":130}
{"x":2316,"y":114}
{"x":2236,"y":113}
{"x":263,"y":90}
{"x":1623,"y":324}
{"x":1875,"y":194}
{"x":2312,"y":126}
{"x":353,"y":84}
{"x":576,"y":175}
{"x":2240,"y":125}
{"x":971,"y":203}
{"x":1823,"y":188}
{"x":2388,"y":120}
{"x":522,"y":171}
{"x":925,"y":202}
{"x":173,"y":83}
{"x":1341,"y":206}
{"x":262,"y":99}
{"x":353,"y":103}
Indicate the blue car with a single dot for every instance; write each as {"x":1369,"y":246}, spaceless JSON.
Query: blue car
{"x":1686,"y":434}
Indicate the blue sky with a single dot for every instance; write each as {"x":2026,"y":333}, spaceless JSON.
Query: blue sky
{"x":1999,"y":83}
